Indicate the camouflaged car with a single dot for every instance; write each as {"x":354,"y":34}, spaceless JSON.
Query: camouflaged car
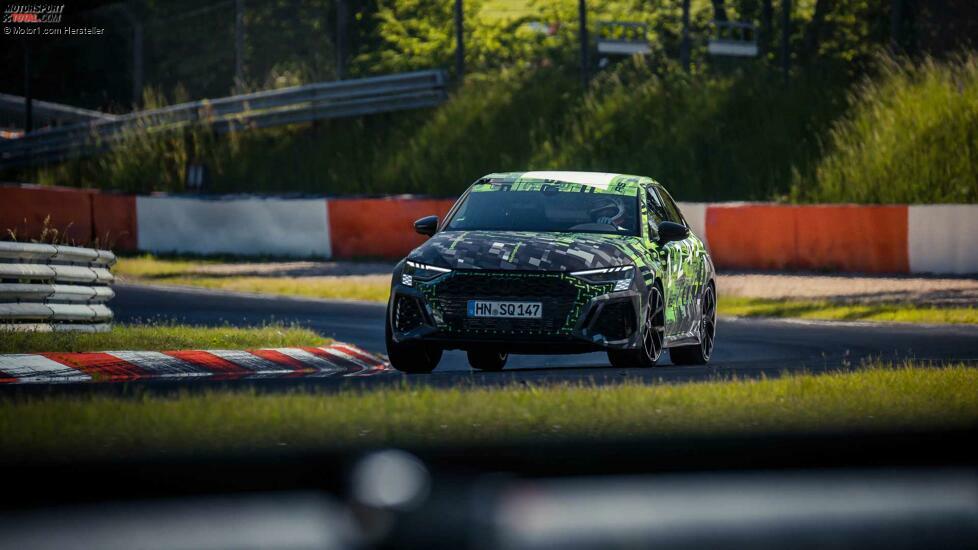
{"x":554,"y":262}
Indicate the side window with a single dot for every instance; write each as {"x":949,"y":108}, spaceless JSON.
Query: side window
{"x":672,"y":210}
{"x":657,"y":214}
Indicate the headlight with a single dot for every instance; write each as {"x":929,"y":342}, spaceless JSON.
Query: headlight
{"x":622,"y":276}
{"x":421,"y":272}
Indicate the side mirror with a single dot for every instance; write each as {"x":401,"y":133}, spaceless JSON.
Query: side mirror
{"x":427,"y":225}
{"x":672,"y":231}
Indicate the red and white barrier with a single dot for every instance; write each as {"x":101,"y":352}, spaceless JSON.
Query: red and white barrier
{"x":842,"y":238}
{"x":249,"y":226}
{"x":336,"y":360}
{"x":943,"y":238}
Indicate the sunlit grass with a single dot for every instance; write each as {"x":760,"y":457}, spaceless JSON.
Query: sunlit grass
{"x":821,"y":309}
{"x":877,"y":397}
{"x":160,"y":336}
{"x":148,"y":265}
{"x":376,"y":288}
{"x":909,"y":137}
{"x":183,"y":271}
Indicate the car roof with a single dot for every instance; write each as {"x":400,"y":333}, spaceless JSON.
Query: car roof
{"x":604,"y":181}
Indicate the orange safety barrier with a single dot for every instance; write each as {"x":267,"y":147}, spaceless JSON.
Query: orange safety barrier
{"x":379,"y":228}
{"x":114,"y":221}
{"x":751,"y":236}
{"x":24,"y":209}
{"x":870,"y":239}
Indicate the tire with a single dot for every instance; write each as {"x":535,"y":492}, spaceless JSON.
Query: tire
{"x":653,"y":335}
{"x":411,"y":358}
{"x":699,"y":354}
{"x":489,"y":360}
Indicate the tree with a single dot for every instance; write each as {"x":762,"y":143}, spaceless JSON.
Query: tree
{"x":719,"y":10}
{"x":816,"y":28}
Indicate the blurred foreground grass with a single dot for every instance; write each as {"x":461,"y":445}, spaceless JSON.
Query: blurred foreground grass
{"x":876,"y":397}
{"x":155,"y":337}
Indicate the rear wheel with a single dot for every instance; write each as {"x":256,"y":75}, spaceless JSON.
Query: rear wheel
{"x":653,"y":335}
{"x":411,"y":358}
{"x":490,"y":360}
{"x":699,"y":354}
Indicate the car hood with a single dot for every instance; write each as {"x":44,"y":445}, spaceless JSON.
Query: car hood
{"x":506,"y":250}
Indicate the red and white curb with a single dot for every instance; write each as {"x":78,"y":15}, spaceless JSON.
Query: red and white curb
{"x":339,"y":360}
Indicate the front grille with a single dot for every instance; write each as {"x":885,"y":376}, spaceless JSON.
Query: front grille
{"x":560,"y":295}
{"x":407,"y":314}
{"x":616,"y":321}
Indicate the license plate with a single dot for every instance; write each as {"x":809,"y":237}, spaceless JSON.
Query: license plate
{"x":521,"y":310}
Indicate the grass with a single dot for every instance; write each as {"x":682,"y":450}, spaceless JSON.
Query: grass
{"x":876,"y":397}
{"x":370,"y":288}
{"x":182,"y":271}
{"x":156,"y":337}
{"x":910,"y":135}
{"x":820,"y":309}
{"x":714,"y":136}
{"x":376,"y":288}
{"x":148,"y":266}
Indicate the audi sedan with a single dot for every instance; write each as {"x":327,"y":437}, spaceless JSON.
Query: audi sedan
{"x":554,"y":262}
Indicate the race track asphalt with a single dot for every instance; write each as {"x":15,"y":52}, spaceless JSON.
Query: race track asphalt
{"x":745,"y":347}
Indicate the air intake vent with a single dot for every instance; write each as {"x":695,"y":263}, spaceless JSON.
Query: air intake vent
{"x":407,"y":314}
{"x":616,"y":321}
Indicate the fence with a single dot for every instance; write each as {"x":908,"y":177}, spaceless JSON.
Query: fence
{"x":297,"y":104}
{"x":54,"y":288}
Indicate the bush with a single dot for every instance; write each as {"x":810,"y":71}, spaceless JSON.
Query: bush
{"x":706,"y":136}
{"x":910,"y":136}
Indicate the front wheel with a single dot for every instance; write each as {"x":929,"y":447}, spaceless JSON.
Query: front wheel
{"x":699,"y":354}
{"x":487,"y":359}
{"x":653,"y":335}
{"x":411,"y":358}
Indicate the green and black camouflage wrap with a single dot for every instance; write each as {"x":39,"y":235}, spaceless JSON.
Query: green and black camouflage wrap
{"x":682,"y":268}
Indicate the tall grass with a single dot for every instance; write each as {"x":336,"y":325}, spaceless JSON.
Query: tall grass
{"x":721,"y":136}
{"x":911,"y":135}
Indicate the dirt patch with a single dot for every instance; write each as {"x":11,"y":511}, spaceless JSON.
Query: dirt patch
{"x":852,"y":289}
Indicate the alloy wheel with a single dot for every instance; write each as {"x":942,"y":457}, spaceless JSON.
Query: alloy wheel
{"x":708,"y":324}
{"x":655,"y":326}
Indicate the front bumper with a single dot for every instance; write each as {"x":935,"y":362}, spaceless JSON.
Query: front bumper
{"x":578,"y":316}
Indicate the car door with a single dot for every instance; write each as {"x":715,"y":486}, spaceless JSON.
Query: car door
{"x":682,"y":279}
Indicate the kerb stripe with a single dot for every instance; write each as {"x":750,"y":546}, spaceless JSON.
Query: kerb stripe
{"x":211,"y":362}
{"x":159,"y":364}
{"x":318,"y":363}
{"x":251,"y":362}
{"x":100,"y":366}
{"x":37,"y":366}
{"x":284,"y":361}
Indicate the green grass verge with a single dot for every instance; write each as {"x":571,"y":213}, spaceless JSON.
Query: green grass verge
{"x":877,"y":397}
{"x":342,"y":288}
{"x":815,"y":309}
{"x":377,"y":289}
{"x":157,"y":337}
{"x":184,"y":271}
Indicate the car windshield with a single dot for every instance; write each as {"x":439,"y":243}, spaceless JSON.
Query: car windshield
{"x":546,"y":208}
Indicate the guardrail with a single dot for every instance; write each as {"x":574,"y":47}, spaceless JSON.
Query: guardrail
{"x":48,"y":287}
{"x":297,"y":104}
